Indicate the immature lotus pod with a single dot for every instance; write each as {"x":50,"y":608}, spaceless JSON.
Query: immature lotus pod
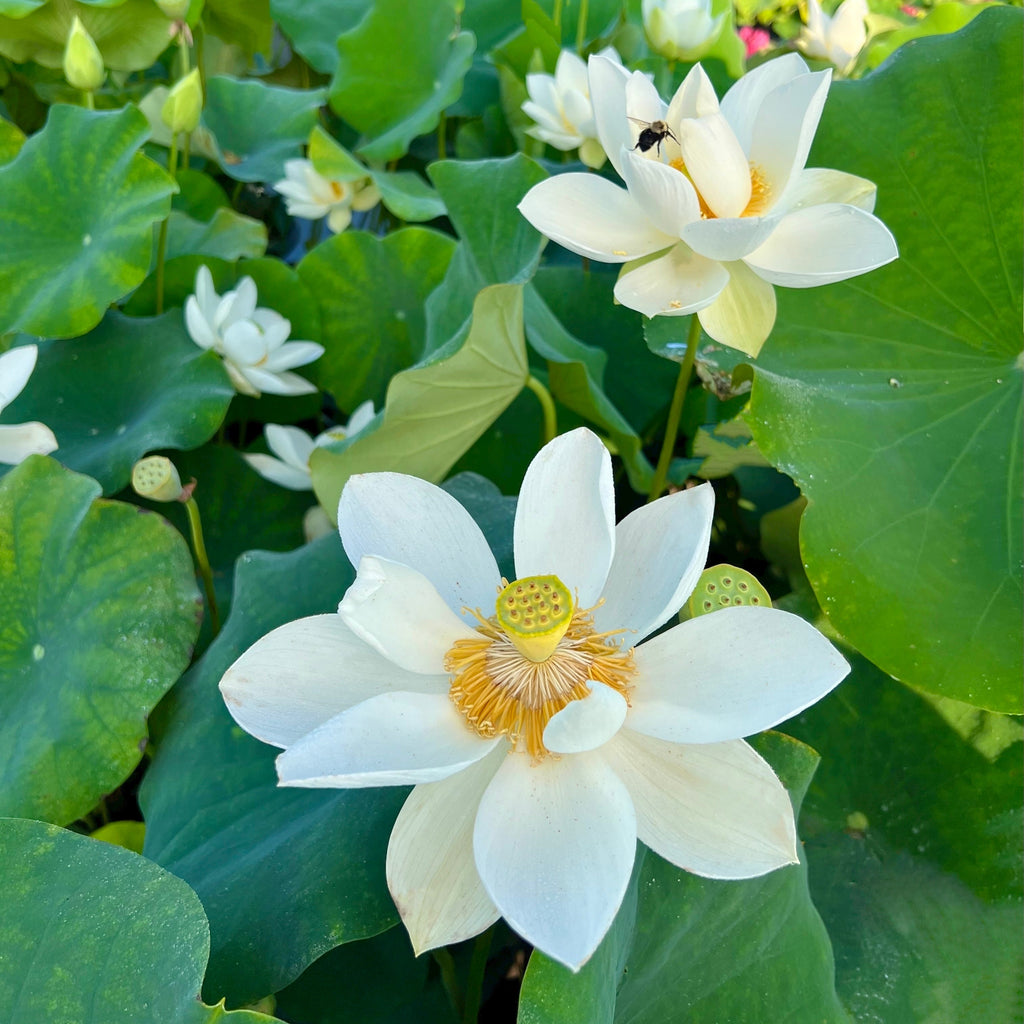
{"x":725,"y":586}
{"x":83,"y":63}
{"x":156,"y":478}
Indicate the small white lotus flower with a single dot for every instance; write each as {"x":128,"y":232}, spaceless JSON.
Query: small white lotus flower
{"x":293,"y":447}
{"x":560,"y":106}
{"x":252,"y":340}
{"x":720,"y":206}
{"x":310,"y":195}
{"x":542,"y":737}
{"x":20,"y":440}
{"x":680,"y":29}
{"x":837,"y":39}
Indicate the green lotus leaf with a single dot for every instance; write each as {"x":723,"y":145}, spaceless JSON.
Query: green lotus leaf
{"x":304,"y":21}
{"x":100,"y":614}
{"x":372,"y":289}
{"x":94,"y":934}
{"x":284,"y":874}
{"x":227,"y":235}
{"x":158,"y":388}
{"x":258,"y":126}
{"x":130,"y":34}
{"x":894,"y":400}
{"x":437,"y":409}
{"x":73,"y":241}
{"x":690,"y":948}
{"x":199,"y":195}
{"x":394,"y":85}
{"x":245,"y":24}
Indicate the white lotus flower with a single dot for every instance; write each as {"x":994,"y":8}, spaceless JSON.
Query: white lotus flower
{"x":540,"y":750}
{"x":680,"y":29}
{"x":20,"y":440}
{"x":293,"y":447}
{"x":837,"y":39}
{"x":722,"y":207}
{"x":560,"y":106}
{"x":310,"y":195}
{"x":252,"y":340}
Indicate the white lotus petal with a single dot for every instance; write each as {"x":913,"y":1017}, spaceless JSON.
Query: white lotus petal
{"x":728,"y":238}
{"x":239,"y":304}
{"x":244,"y":343}
{"x":430,"y":868}
{"x":678,"y":282}
{"x":554,"y":844}
{"x":290,"y":444}
{"x":305,"y":672}
{"x":280,"y":473}
{"x":664,"y":194}
{"x":695,"y":97}
{"x":731,"y":673}
{"x":592,"y":217}
{"x":849,"y":32}
{"x":408,"y":520}
{"x":642,"y":102}
{"x":16,"y":367}
{"x":822,"y":244}
{"x":587,"y":723}
{"x":716,"y":163}
{"x":362,"y":416}
{"x":199,"y":329}
{"x":206,"y":298}
{"x":399,"y":613}
{"x":816,"y":185}
{"x":660,"y":551}
{"x":743,"y":314}
{"x":785,"y":129}
{"x":292,"y":354}
{"x":608,"y":96}
{"x":393,"y":739}
{"x":741,"y":105}
{"x":20,"y":440}
{"x":716,"y":809}
{"x":241,"y":382}
{"x":565,"y":518}
{"x":277,"y":383}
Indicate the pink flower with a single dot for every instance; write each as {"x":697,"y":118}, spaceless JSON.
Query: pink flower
{"x":755,"y":39}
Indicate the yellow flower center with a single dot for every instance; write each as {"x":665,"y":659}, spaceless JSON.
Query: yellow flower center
{"x":534,"y":656}
{"x":760,"y":192}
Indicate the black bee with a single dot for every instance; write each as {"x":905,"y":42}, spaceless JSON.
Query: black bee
{"x":652,"y":134}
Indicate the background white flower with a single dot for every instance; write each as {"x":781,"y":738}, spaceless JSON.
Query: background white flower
{"x":309,"y":194}
{"x":723,"y":207}
{"x":837,"y":39}
{"x":292,"y":447}
{"x":680,"y":29}
{"x":422,"y":679}
{"x":253,"y":341}
{"x":20,"y":440}
{"x":560,"y":106}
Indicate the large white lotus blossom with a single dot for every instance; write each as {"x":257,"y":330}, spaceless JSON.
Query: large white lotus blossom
{"x":252,"y":340}
{"x":837,"y":39}
{"x":292,"y":447}
{"x":542,"y":738}
{"x":723,"y":207}
{"x":560,"y":106}
{"x":20,"y":440}
{"x":680,"y":29}
{"x":310,"y":195}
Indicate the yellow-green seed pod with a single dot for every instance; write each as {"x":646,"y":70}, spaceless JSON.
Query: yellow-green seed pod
{"x":725,"y":586}
{"x":83,"y":62}
{"x":535,"y":612}
{"x":184,"y":104}
{"x":156,"y":478}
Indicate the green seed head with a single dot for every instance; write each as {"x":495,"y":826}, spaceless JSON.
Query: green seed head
{"x":725,"y":586}
{"x":535,"y":612}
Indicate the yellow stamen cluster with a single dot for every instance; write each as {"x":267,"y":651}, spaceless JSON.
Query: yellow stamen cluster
{"x":502,"y":692}
{"x":760,"y":192}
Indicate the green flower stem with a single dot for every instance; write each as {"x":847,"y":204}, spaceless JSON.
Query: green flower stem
{"x":675,"y":411}
{"x":161,"y":244}
{"x":556,"y":16}
{"x":185,"y":55}
{"x":450,"y":982}
{"x":203,"y":562}
{"x":581,"y":25}
{"x":88,"y":100}
{"x":475,"y":979}
{"x":442,"y":142}
{"x":547,"y":403}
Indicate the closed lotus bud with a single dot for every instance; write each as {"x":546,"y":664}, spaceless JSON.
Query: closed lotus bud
{"x":174,"y":9}
{"x":156,"y":478}
{"x":83,"y":63}
{"x":184,"y":104}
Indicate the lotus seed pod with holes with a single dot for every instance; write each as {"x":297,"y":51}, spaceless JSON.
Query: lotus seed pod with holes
{"x":184,"y":104}
{"x":725,"y":586}
{"x":535,"y":612}
{"x":83,"y":63}
{"x":156,"y":478}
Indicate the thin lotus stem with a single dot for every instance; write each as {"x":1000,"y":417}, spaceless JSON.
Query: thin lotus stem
{"x":161,"y":244}
{"x":547,"y":403}
{"x":185,"y":56}
{"x":475,"y":979}
{"x":442,"y":143}
{"x":675,"y":411}
{"x":581,"y":25}
{"x":448,"y":979}
{"x":556,"y":16}
{"x":88,"y":100}
{"x":203,"y":562}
